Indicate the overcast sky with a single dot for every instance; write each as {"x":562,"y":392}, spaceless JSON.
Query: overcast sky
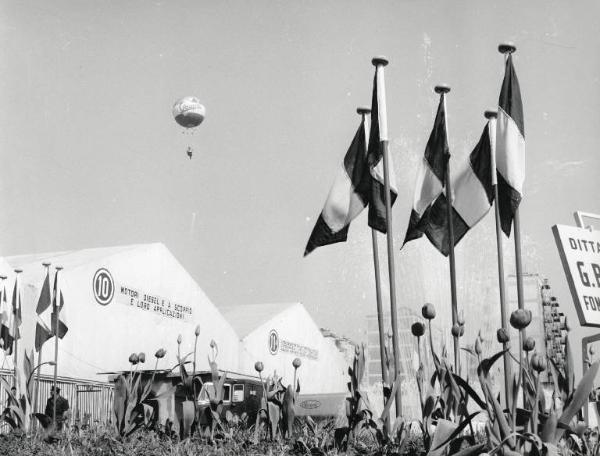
{"x":91,"y":155}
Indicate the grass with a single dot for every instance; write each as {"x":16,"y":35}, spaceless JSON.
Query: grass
{"x":103,"y":441}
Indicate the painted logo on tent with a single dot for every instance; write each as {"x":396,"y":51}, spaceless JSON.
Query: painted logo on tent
{"x":103,"y":286}
{"x":273,"y":342}
{"x":310,"y":404}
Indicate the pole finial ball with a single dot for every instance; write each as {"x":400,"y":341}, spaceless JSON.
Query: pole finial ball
{"x":363,"y":110}
{"x":490,"y":114}
{"x":507,"y":48}
{"x":380,"y":60}
{"x":442,"y":88}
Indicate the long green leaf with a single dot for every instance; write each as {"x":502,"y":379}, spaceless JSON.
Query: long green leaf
{"x":470,"y":391}
{"x":458,"y":430}
{"x":580,"y":396}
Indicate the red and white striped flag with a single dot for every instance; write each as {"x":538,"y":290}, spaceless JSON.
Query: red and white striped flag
{"x":348,"y":196}
{"x":378,"y":133}
{"x":510,"y":147}
{"x":44,"y":315}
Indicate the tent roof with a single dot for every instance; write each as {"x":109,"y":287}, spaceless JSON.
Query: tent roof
{"x":71,"y":259}
{"x":246,"y":318}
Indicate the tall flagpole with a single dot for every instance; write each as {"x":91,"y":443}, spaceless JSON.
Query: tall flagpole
{"x":379,"y":63}
{"x":16,"y":300}
{"x":491,"y":116}
{"x":507,"y":49}
{"x":363,"y":111}
{"x":55,"y":308}
{"x":442,"y":90}
{"x":38,"y":373}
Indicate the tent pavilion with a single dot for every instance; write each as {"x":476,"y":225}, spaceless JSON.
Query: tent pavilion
{"x":276,"y":334}
{"x":118,"y":301}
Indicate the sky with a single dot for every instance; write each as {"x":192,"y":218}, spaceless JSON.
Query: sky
{"x":92,"y":157}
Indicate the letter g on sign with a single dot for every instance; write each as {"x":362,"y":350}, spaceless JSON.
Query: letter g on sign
{"x":103,"y":287}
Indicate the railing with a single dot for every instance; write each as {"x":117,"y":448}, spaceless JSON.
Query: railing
{"x":89,"y":402}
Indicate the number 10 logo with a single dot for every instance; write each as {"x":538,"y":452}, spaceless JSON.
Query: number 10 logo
{"x":104,"y":287}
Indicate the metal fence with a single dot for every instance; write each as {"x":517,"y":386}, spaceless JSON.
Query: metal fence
{"x":89,"y":402}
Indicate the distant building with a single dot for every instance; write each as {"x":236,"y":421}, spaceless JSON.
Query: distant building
{"x":407,"y":345}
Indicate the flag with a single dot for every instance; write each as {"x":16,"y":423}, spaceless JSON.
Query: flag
{"x":347,"y":198}
{"x":473,"y":195}
{"x":16,"y":312}
{"x":378,"y":133}
{"x":58,"y":304}
{"x":5,"y":320}
{"x":510,"y":147}
{"x":43,"y":310}
{"x":430,"y":180}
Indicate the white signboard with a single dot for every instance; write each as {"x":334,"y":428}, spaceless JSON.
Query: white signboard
{"x":579,"y":251}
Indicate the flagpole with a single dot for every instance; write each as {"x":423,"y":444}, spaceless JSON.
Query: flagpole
{"x":380,"y":62}
{"x":38,"y":373}
{"x":506,"y":49}
{"x":55,"y":308}
{"x":363,"y":111}
{"x":491,"y":116}
{"x":15,"y":327}
{"x":442,"y":90}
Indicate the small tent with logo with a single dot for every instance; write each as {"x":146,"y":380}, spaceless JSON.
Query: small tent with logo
{"x":276,"y":334}
{"x":118,"y":301}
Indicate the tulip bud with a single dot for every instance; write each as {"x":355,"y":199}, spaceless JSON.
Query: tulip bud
{"x":418,"y":329}
{"x":296,"y":363}
{"x":258,"y":366}
{"x":133,"y":358}
{"x":142,"y":357}
{"x":160,"y":353}
{"x":458,"y":330}
{"x":520,"y":318}
{"x":461,"y":318}
{"x":213,"y":344}
{"x":538,"y":362}
{"x":502,"y":335}
{"x":428,"y":311}
{"x":478,"y":347}
{"x":197,"y":330}
{"x":179,"y":339}
{"x":529,"y":344}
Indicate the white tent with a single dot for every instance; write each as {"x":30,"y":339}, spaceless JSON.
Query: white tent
{"x":276,"y":334}
{"x":122,"y":300}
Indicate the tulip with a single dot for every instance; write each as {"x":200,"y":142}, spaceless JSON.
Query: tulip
{"x":258,"y":366}
{"x":213,"y":344}
{"x":529,"y":344}
{"x":520,"y":318}
{"x":418,"y":329}
{"x":179,"y":339}
{"x":502,"y":335}
{"x":428,"y":311}
{"x":133,"y":358}
{"x":538,"y":363}
{"x":142,"y":357}
{"x":458,"y":330}
{"x":197,"y":330}
{"x":296,"y":363}
{"x":160,"y":353}
{"x":478,"y":347}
